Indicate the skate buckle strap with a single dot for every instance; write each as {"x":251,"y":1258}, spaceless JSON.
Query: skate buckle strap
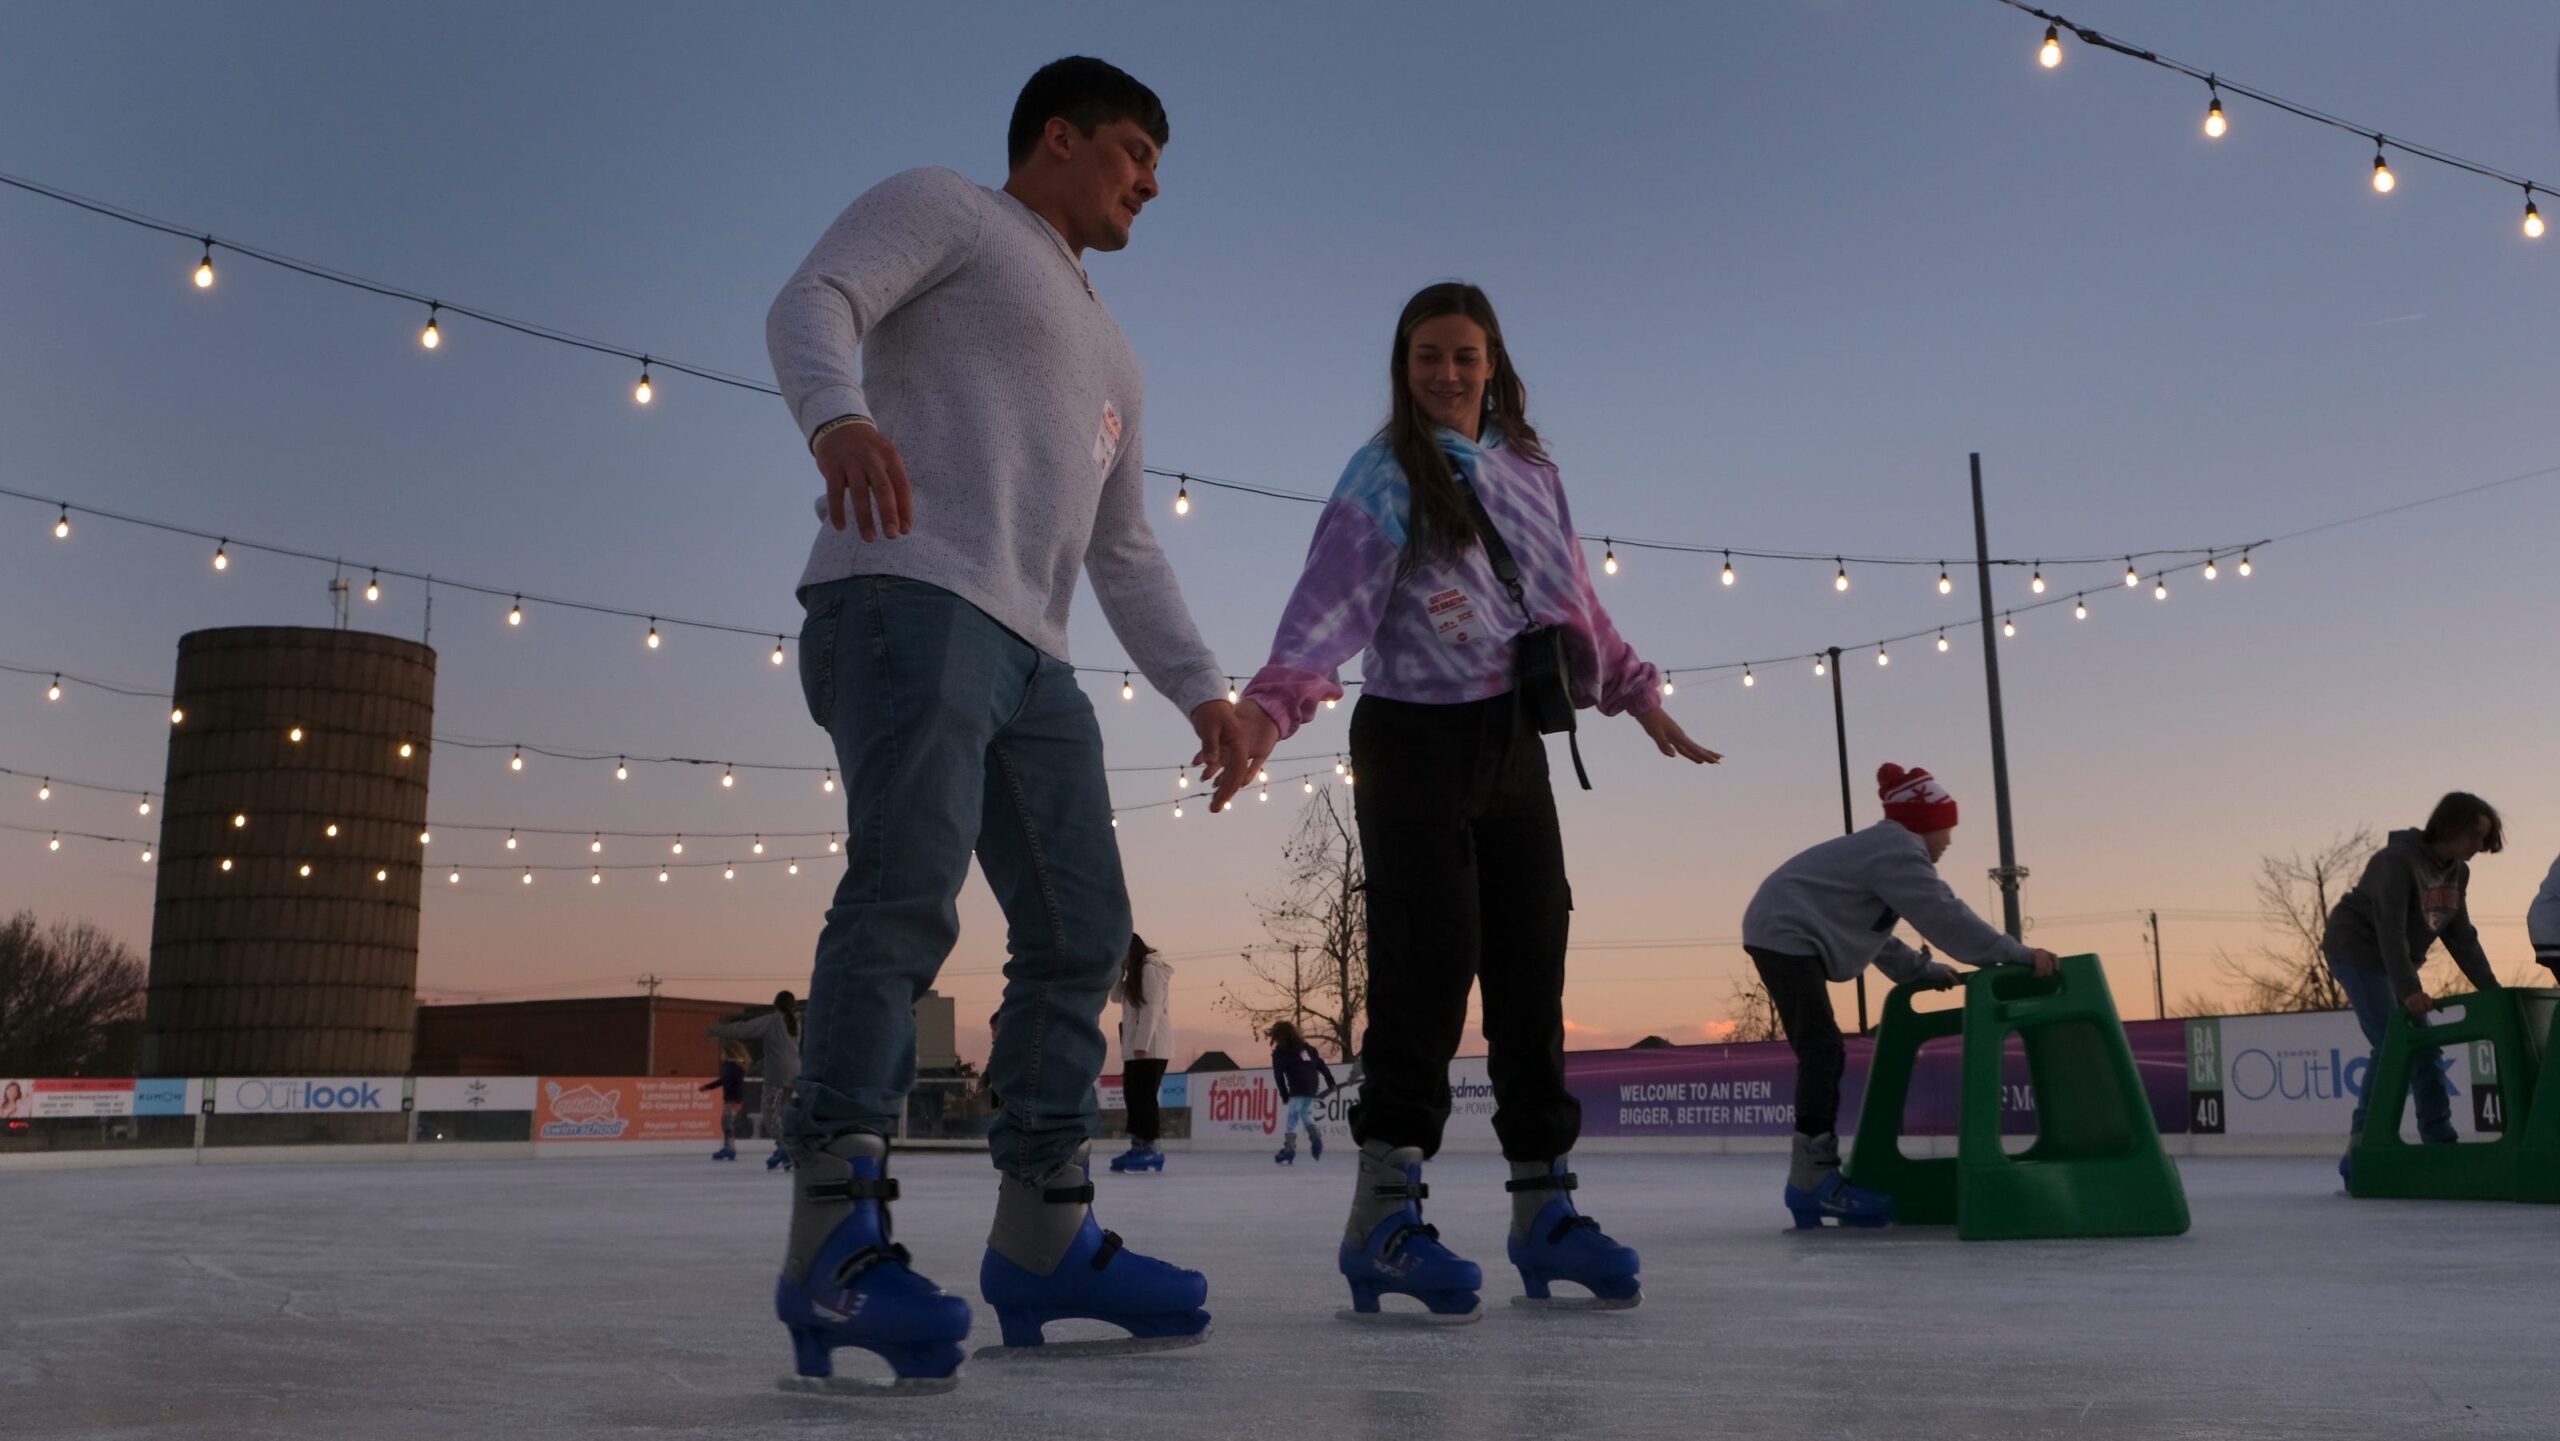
{"x":1069,"y":1195}
{"x":1109,"y":1248}
{"x":1567,"y":1181}
{"x":1567,"y":1226}
{"x":1402,"y":1191}
{"x":866,"y":1258}
{"x":1396,"y":1243}
{"x":852,"y":1189}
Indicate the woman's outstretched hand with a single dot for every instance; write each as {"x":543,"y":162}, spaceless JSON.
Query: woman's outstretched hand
{"x":1672,"y":740}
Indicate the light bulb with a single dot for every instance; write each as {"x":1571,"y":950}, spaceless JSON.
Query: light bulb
{"x":1840,"y":581}
{"x":662,"y":875}
{"x":1182,"y":780}
{"x":759,"y":847}
{"x":62,"y":525}
{"x":777,"y":650}
{"x":144,"y":808}
{"x":678,"y":848}
{"x":2008,"y":626}
{"x":454,"y":879}
{"x":1128,"y":688}
{"x":2213,"y":122}
{"x":430,"y":337}
{"x":2037,"y":583}
{"x":406,"y":750}
{"x":1308,"y":786}
{"x":1266,"y":794}
{"x":516,"y":762}
{"x":44,"y":791}
{"x":1350,"y":780}
{"x":515,"y":613}
{"x":222,"y":556}
{"x":146,"y":855}
{"x":1609,"y":561}
{"x":1263,"y":777}
{"x":373,"y":587}
{"x":1942,"y":642}
{"x":177,"y":715}
{"x":56,"y":843}
{"x":653,"y":632}
{"x":642,"y":392}
{"x":239,"y":822}
{"x":1182,"y":499}
{"x":728,"y":873}
{"x":621,"y":768}
{"x":1882,"y":659}
{"x":204,"y":268}
{"x":2051,"y":54}
{"x":294,"y":735}
{"x":332,"y":833}
{"x":728,"y":780}
{"x":1331,"y":701}
{"x":386,"y":875}
{"x":2532,"y":231}
{"x":426,"y":837}
{"x":2244,"y":565}
{"x":1177,"y":810}
{"x":528,"y":877}
{"x":1339,"y":768}
{"x":2211,"y":570}
{"x":54,"y":691}
{"x":2382,"y":181}
{"x":1667,"y":688}
{"x":1233,"y":695}
{"x":595,"y":878}
{"x":595,"y":847}
{"x":306,"y":868}
{"x":832,"y":844}
{"x":829,"y":784}
{"x":1728,"y":568}
{"x":511,"y":840}
{"x":794,"y":867}
{"x":1748,"y":679}
{"x":2079,"y":609}
{"x":1820,"y":667}
{"x":1945,"y":585}
{"x":226,"y":863}
{"x":2130,"y":579}
{"x":2160,"y":588}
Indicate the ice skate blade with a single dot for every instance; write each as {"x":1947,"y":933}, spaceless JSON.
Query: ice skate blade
{"x":861,"y":1387}
{"x":1100,"y":1346}
{"x":1580,"y":1303}
{"x":1384,"y":1317}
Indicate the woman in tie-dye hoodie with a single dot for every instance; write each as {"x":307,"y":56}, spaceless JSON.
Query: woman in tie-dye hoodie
{"x":1457,"y":823}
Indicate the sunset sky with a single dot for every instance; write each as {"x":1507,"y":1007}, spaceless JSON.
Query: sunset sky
{"x":1769,"y":271}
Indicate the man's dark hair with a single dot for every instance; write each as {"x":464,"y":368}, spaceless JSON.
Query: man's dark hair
{"x":1086,"y":93}
{"x":2458,"y":812}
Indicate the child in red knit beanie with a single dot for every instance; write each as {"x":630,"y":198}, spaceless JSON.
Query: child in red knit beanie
{"x":1826,"y":915}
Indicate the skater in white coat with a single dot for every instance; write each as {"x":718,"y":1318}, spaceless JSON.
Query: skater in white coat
{"x":1146,"y":1045}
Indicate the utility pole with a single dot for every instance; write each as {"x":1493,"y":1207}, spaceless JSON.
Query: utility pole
{"x":2009,"y":872}
{"x":1848,"y":815}
{"x":2159,"y":997}
{"x":649,"y":1045}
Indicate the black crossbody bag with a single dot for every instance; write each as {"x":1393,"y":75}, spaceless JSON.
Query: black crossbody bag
{"x":1538,"y":674}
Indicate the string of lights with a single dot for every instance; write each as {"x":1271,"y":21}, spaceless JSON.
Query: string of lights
{"x":2217,"y":125}
{"x":431,"y":337}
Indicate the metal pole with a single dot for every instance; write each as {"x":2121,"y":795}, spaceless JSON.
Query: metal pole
{"x":2009,"y":873}
{"x":1848,"y":815}
{"x":2159,"y":997}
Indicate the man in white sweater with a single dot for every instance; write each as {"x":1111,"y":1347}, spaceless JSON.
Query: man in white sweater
{"x":984,"y":451}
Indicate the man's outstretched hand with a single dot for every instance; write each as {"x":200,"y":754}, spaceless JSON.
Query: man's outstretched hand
{"x":865,"y":476}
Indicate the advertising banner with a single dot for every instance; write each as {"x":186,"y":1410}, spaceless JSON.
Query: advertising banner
{"x":625,"y":1108}
{"x":1174,"y":1094}
{"x":42,"y":1100}
{"x":475,"y":1093}
{"x":166,"y":1096}
{"x":284,"y":1095}
{"x":2301,"y":1075}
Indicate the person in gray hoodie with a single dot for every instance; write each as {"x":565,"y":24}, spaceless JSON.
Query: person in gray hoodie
{"x":1825,"y":916}
{"x":2542,"y":922}
{"x":2413,"y":893}
{"x":776,"y":1036}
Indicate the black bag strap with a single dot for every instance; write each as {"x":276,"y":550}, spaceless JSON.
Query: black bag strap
{"x":1505,"y":568}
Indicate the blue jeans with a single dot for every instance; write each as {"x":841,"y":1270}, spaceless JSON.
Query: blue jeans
{"x":2375,"y":1001}
{"x":953,"y":735}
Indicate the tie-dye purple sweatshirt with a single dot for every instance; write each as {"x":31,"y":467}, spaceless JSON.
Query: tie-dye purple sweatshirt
{"x":1442,"y":635}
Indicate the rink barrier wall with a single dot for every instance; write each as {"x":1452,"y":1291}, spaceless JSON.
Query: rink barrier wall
{"x":2275,"y":1085}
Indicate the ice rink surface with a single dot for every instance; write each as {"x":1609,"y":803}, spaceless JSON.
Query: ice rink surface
{"x":629,"y":1297}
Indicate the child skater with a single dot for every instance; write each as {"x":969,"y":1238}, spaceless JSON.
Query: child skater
{"x":1146,"y":1046}
{"x":1448,"y":554}
{"x":731,"y":1083}
{"x":1295,"y":1068}
{"x":1823,"y":917}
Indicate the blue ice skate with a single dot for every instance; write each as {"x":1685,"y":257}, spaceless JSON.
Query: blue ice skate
{"x":858,"y":1291}
{"x":1098,"y":1279}
{"x":1139,"y":1157}
{"x":1403,"y":1256}
{"x":780,"y":1159}
{"x":726,"y":1152}
{"x":1565,"y":1245}
{"x":1315,"y":1144}
{"x":1287,"y":1155}
{"x":1833,"y":1199}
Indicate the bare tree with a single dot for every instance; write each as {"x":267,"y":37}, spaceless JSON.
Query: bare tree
{"x":1316,"y":975}
{"x":70,"y":1000}
{"x":2295,"y":892}
{"x":1755,"y":1015}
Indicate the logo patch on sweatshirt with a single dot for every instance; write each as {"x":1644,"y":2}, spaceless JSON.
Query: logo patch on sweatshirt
{"x":1453,"y":617}
{"x":1106,"y":441}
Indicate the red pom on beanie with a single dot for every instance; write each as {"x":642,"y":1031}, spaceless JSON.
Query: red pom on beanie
{"x":1915,"y":798}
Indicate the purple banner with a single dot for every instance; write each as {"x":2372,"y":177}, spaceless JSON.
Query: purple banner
{"x":1750,"y":1089}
